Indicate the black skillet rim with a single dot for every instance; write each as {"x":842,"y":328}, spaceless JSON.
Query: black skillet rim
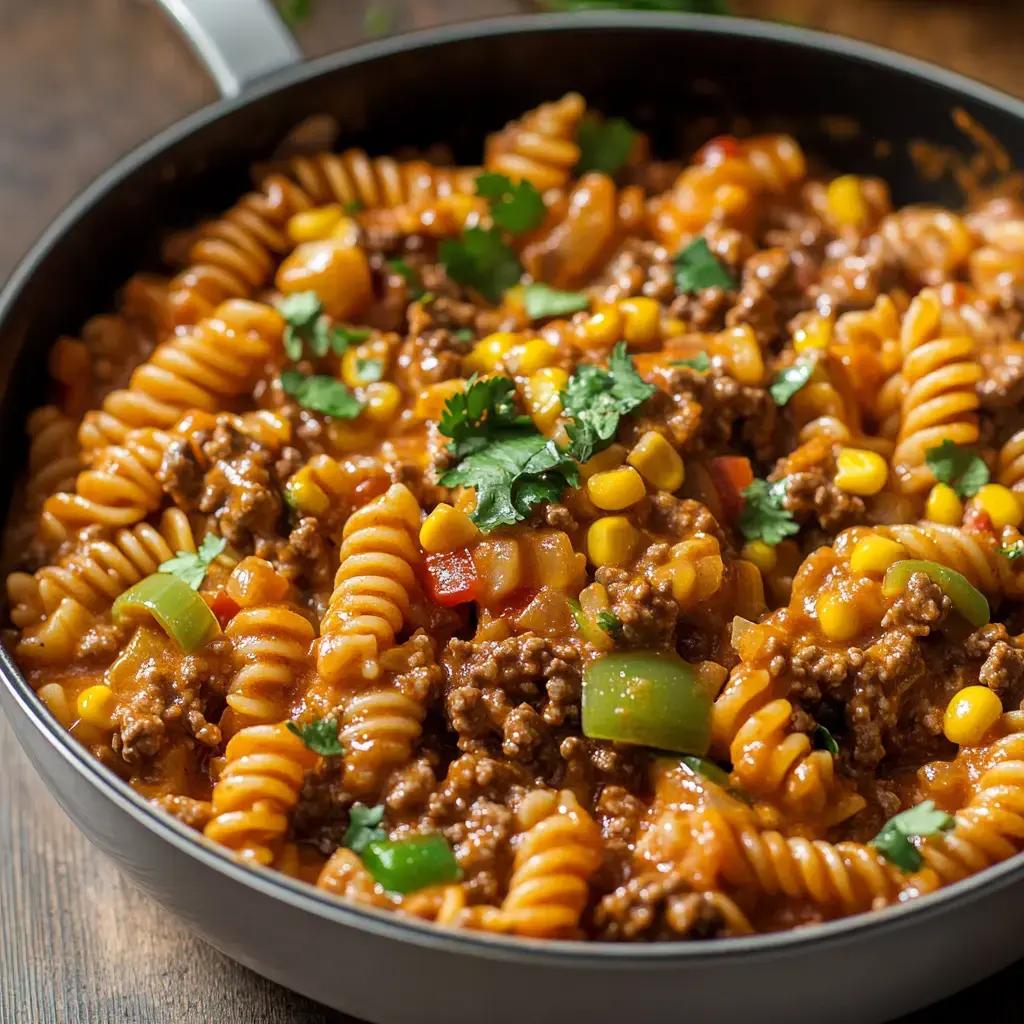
{"x":305,"y":897}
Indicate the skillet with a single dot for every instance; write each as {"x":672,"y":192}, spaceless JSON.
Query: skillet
{"x":455,"y":84}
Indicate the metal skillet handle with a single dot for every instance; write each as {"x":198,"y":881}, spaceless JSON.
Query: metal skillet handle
{"x":239,"y":41}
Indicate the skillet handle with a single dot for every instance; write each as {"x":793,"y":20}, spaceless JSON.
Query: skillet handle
{"x":239,"y":41}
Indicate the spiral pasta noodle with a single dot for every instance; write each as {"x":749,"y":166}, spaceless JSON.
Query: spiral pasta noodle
{"x":1011,"y":460}
{"x":256,"y":791}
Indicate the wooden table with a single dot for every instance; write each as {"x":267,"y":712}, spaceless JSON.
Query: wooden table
{"x":82,"y":81}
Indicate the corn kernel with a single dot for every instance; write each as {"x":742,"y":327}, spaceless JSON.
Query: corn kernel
{"x":543,"y":396}
{"x":943,"y":506}
{"x":602,"y":329}
{"x":673,"y":327}
{"x":96,"y":706}
{"x":382,"y":401}
{"x":761,"y":554}
{"x":532,"y":356}
{"x":365,"y":363}
{"x":447,"y":529}
{"x":347,"y":230}
{"x":642,"y":320}
{"x":611,"y":458}
{"x":859,"y":471}
{"x":838,"y":618}
{"x":350,"y":435}
{"x":846,"y":201}
{"x":1001,"y":505}
{"x":431,"y":400}
{"x":970,"y":715}
{"x":616,"y":489}
{"x":306,"y":494}
{"x":312,"y":225}
{"x":814,"y":334}
{"x":612,"y":540}
{"x":683,"y":576}
{"x":657,"y":462}
{"x":488,"y":354}
{"x":876,"y":554}
{"x":338,"y":272}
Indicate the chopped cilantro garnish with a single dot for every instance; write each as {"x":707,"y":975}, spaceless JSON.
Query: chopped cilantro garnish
{"x":362,"y":827}
{"x":412,"y":278}
{"x":610,"y":623}
{"x":924,"y":820}
{"x":306,"y":325}
{"x":481,"y":260}
{"x":962,"y":468}
{"x":515,"y":206}
{"x":321,"y":736}
{"x":541,"y":301}
{"x":370,"y":369}
{"x":763,"y":516}
{"x":824,"y":740}
{"x":1014,"y":550}
{"x":464,"y":334}
{"x":597,"y":399}
{"x":190,"y":567}
{"x":604,"y":145}
{"x":700,"y":362}
{"x":697,"y":268}
{"x":501,"y":454}
{"x":321,"y":394}
{"x":789,"y":380}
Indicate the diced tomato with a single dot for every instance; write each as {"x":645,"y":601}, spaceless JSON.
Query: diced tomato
{"x":714,"y":151}
{"x":977,"y":520}
{"x":451,"y":578}
{"x":732,"y":476}
{"x":223,"y":605}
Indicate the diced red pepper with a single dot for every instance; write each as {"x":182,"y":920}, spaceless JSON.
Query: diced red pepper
{"x":451,"y":578}
{"x":714,"y":151}
{"x":223,"y":605}
{"x":732,"y":476}
{"x":977,"y":520}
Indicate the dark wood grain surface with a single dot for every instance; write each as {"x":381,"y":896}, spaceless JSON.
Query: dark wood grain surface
{"x":81,"y":82}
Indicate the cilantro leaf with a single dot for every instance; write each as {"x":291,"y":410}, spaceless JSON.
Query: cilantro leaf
{"x":464,"y":334}
{"x":698,"y":268}
{"x":604,"y":145}
{"x":764,"y":517}
{"x":484,"y":407}
{"x":962,"y":468}
{"x":789,"y":380}
{"x":711,"y":771}
{"x":481,"y":260}
{"x":321,"y":736}
{"x":321,"y":394}
{"x":1014,"y":551}
{"x":541,"y":301}
{"x":824,"y":740}
{"x":893,"y":842}
{"x":306,"y":325}
{"x":515,"y":206}
{"x":362,"y":827}
{"x":370,"y":370}
{"x":412,"y":278}
{"x":597,"y":399}
{"x":610,"y":623}
{"x":700,"y":362}
{"x":343,"y":338}
{"x":191,"y":567}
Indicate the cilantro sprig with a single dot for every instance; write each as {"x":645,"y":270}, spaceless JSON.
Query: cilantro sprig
{"x":320,"y":735}
{"x":321,"y":394}
{"x":515,"y":206}
{"x":1013,"y":551}
{"x":597,"y":400}
{"x":362,"y":827}
{"x":542,"y":300}
{"x":698,"y":268}
{"x":700,"y":362}
{"x":501,"y":454}
{"x":764,"y":516}
{"x":893,"y":841}
{"x":610,"y":623}
{"x":481,"y":260}
{"x":307,"y":326}
{"x":605,"y":146}
{"x":824,"y":740}
{"x":191,"y":567}
{"x":962,"y":468}
{"x":789,"y":380}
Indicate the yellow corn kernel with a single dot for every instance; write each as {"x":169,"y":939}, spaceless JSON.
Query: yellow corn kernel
{"x":612,"y":540}
{"x":447,"y":529}
{"x":657,"y":462}
{"x":738,"y":348}
{"x":838,"y":618}
{"x":602,"y":329}
{"x":312,"y":225}
{"x":488,"y":354}
{"x":642,"y":320}
{"x":876,"y":554}
{"x":970,"y":715}
{"x":593,"y":601}
{"x":943,"y":506}
{"x":382,"y":401}
{"x":1001,"y":505}
{"x":815,"y":333}
{"x":96,"y":706}
{"x":347,"y":230}
{"x":532,"y":356}
{"x":337,"y":271}
{"x":673,"y":327}
{"x":350,"y":435}
{"x":845,"y":200}
{"x":611,"y":458}
{"x":306,"y":494}
{"x":365,"y":363}
{"x":543,"y":396}
{"x":761,"y":554}
{"x":859,"y":471}
{"x":616,"y":489}
{"x":682,"y":575}
{"x":431,"y":400}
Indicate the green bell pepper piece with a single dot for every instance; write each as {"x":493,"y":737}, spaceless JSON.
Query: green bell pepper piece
{"x":970,"y":602}
{"x":406,"y":865}
{"x":185,"y":616}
